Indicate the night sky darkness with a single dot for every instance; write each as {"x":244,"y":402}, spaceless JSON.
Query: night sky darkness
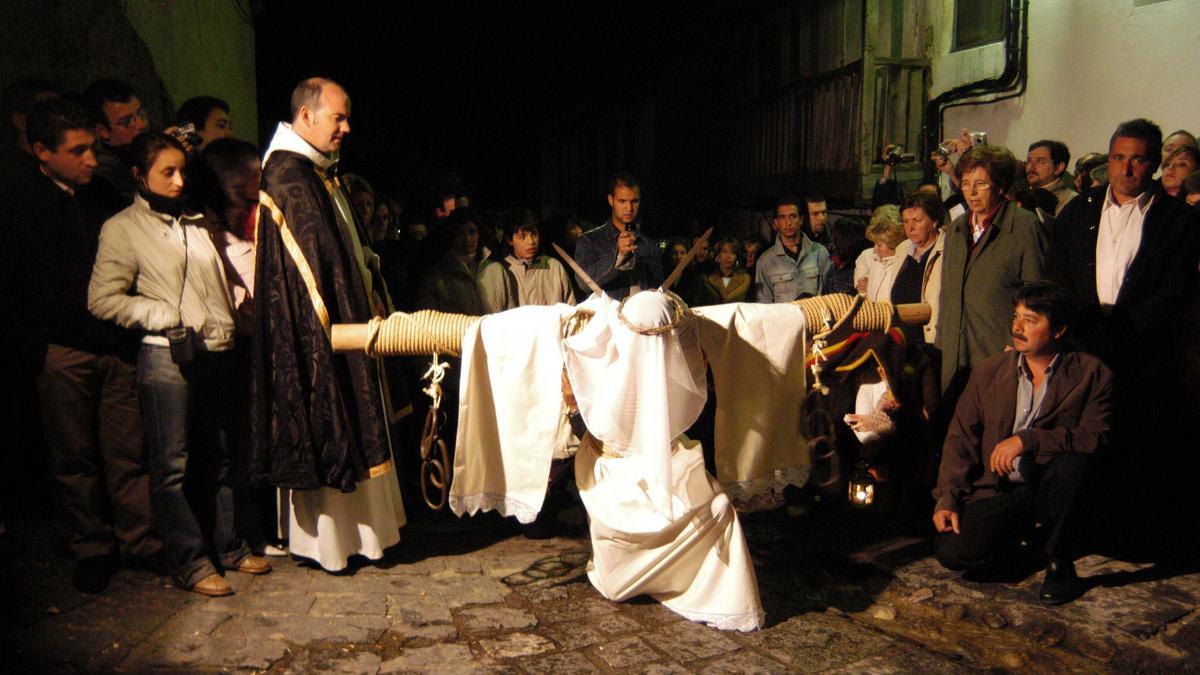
{"x":455,"y":87}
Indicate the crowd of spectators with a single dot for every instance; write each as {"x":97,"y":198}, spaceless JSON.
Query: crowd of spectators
{"x":131,"y":246}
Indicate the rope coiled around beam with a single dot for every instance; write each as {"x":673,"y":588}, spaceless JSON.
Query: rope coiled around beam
{"x":428,"y":331}
{"x":424,"y":332}
{"x":824,"y":313}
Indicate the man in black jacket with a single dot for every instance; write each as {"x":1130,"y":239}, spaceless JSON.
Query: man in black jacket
{"x":1128,"y":254}
{"x":86,"y":379}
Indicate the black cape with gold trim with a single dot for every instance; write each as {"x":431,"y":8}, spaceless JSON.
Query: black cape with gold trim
{"x":319,"y":418}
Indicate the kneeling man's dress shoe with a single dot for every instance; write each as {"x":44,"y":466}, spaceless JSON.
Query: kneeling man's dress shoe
{"x":1061,"y":585}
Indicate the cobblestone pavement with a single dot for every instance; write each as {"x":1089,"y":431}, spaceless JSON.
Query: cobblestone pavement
{"x":843,"y":593}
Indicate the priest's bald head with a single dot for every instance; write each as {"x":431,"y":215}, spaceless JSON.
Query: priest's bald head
{"x":321,"y":113}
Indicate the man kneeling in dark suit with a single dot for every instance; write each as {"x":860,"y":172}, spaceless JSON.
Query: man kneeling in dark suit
{"x":1017,"y":451}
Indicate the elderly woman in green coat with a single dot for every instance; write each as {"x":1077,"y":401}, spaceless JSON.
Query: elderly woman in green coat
{"x":990,"y":251}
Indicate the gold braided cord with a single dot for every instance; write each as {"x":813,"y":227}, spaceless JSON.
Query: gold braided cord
{"x":823,"y":312}
{"x":417,"y":334}
{"x":298,"y":259}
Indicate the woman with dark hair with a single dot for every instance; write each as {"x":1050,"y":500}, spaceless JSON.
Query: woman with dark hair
{"x":157,"y":271}
{"x":848,"y":237}
{"x":688,"y":283}
{"x":751,"y":247}
{"x":451,"y":284}
{"x":226,"y":185}
{"x":517,"y":274}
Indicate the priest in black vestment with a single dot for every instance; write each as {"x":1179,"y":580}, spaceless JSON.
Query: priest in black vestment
{"x":322,"y":421}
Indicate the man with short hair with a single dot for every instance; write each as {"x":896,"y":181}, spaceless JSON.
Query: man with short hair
{"x":210,"y":115}
{"x":18,"y":159}
{"x":86,"y":377}
{"x":1019,"y":446}
{"x":794,"y":266}
{"x":615,"y":255}
{"x":1046,"y":167}
{"x":816,"y":218}
{"x":118,"y":117}
{"x":321,"y":420}
{"x":1128,"y":254}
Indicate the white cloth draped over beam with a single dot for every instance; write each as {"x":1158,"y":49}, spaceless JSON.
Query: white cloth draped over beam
{"x":511,"y":415}
{"x":512,"y":419}
{"x":756,"y":352}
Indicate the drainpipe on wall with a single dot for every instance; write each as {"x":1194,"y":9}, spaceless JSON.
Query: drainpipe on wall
{"x":1010,"y":83}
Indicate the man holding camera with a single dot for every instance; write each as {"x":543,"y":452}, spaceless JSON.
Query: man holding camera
{"x":615,"y":255}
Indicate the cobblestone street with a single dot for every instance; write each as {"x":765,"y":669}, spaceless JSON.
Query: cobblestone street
{"x":476,"y":596}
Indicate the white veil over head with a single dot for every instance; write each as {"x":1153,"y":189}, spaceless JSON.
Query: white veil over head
{"x":639,"y":378}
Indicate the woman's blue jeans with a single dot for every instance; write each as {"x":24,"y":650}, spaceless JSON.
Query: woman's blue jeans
{"x":188,"y":427}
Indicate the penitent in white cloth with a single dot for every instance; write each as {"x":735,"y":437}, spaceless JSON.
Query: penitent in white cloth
{"x":328,"y":525}
{"x":660,"y":525}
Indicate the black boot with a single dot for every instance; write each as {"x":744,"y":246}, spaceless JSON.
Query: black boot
{"x":1061,"y":585}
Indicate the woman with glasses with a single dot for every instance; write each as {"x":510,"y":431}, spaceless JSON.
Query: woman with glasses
{"x":990,"y":251}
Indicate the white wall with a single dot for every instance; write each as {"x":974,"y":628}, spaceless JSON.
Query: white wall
{"x":1092,"y":65}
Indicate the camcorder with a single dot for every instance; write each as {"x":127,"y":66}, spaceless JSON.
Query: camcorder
{"x":895,"y":154}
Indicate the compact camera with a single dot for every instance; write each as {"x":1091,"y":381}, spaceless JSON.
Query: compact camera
{"x":186,"y":133}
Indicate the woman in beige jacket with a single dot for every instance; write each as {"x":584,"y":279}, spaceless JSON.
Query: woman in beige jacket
{"x":157,"y":271}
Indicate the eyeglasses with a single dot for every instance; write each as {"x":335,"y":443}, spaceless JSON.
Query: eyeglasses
{"x":131,"y":120}
{"x":977,"y":186}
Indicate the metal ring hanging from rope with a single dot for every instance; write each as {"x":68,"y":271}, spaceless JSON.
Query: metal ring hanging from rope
{"x":435,"y":457}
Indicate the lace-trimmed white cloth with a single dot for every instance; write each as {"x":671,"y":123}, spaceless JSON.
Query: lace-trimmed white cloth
{"x":756,"y":352}
{"x":511,"y":416}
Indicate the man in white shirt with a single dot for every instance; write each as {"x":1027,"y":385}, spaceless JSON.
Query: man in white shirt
{"x":1128,"y":254}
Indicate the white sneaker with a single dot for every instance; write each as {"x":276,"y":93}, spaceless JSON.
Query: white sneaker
{"x":275,"y":551}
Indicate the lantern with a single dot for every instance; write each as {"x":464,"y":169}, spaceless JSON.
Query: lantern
{"x":861,"y":490}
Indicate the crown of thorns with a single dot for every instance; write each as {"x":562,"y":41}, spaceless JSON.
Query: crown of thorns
{"x":679,"y":310}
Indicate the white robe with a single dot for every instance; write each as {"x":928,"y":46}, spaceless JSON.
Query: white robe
{"x":328,"y":525}
{"x":696,"y":563}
